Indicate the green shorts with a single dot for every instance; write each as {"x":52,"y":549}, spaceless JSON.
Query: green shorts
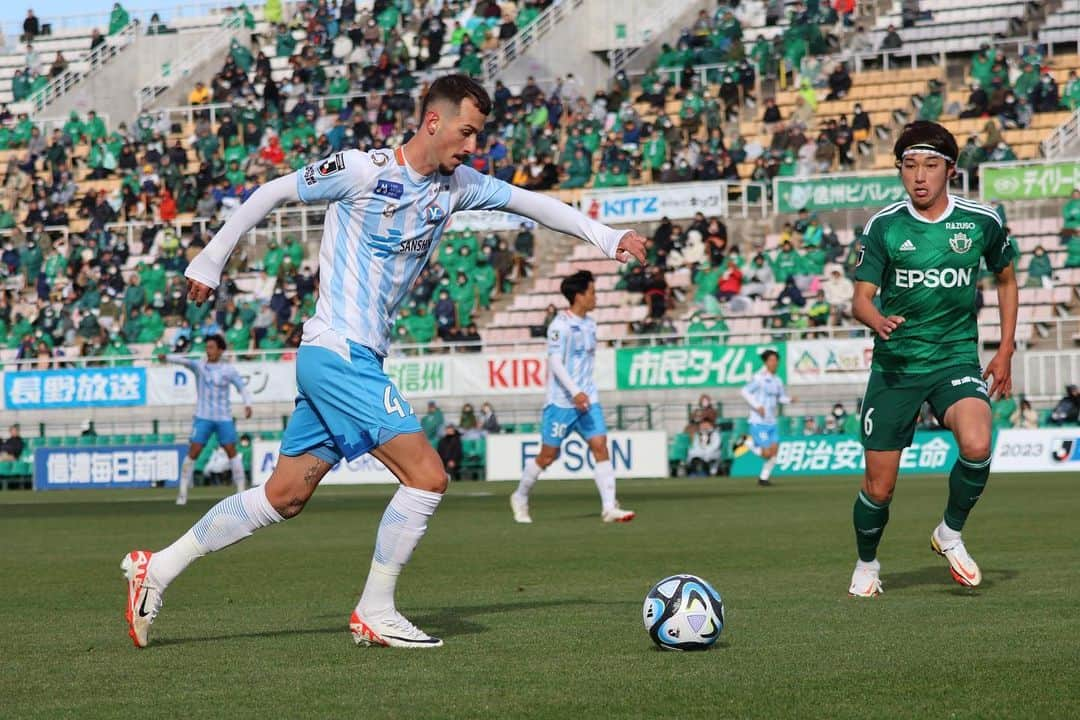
{"x":892,"y":402}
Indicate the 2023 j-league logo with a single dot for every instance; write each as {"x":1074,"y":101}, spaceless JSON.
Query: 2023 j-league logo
{"x":1065,"y":450}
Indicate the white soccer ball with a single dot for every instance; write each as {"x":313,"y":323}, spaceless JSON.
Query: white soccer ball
{"x":683,"y":612}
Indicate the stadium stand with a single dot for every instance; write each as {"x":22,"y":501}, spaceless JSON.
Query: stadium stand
{"x":91,"y":203}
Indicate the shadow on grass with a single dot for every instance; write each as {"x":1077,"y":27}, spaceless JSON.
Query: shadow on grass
{"x":446,"y":622}
{"x":939,"y":575}
{"x":457,"y":621}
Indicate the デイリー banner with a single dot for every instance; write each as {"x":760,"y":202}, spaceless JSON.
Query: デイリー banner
{"x":1028,"y":181}
{"x":836,"y":192}
{"x":699,"y":366}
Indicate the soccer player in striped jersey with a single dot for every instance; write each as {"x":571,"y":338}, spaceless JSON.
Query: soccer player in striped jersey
{"x":573,"y":403}
{"x":764,"y":394}
{"x":924,"y":256}
{"x":387,"y":211}
{"x":213,"y":411}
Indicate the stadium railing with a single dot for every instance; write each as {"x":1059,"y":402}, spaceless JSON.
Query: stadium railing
{"x":95,"y":61}
{"x":187,"y":113}
{"x":61,"y":24}
{"x":526,"y":37}
{"x":200,"y":51}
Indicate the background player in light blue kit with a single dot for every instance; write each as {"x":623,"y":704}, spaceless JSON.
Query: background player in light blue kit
{"x":765,"y":393}
{"x":387,"y":211}
{"x":213,"y":412}
{"x":573,"y":404}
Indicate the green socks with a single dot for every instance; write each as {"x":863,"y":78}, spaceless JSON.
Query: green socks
{"x":870,"y":519}
{"x":966,"y":483}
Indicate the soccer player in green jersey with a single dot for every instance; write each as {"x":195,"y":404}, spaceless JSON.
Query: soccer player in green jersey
{"x":923,"y":255}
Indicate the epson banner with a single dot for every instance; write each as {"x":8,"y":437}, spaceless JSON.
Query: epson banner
{"x":633,"y":455}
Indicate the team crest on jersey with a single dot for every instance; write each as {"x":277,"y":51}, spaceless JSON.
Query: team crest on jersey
{"x":379,"y":158}
{"x":388,"y":210}
{"x":960,"y":243}
{"x":434,"y":214}
{"x":331,"y":165}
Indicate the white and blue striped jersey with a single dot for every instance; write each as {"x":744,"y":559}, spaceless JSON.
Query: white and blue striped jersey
{"x":572,"y":340}
{"x":383,"y":223}
{"x":766,"y":391}
{"x":212,"y":382}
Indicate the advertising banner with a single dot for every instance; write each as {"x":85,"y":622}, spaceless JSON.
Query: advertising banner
{"x":700,"y":366}
{"x":1029,"y":181}
{"x":81,"y":388}
{"x":266,"y":381}
{"x":485,"y":221}
{"x":1042,"y":450}
{"x":518,"y":373}
{"x":651,"y":202}
{"x":633,"y":455}
{"x":423,"y":376}
{"x":122,"y":466}
{"x":843,"y":455}
{"x":364,"y":470}
{"x":836,"y":192}
{"x":818,"y":362}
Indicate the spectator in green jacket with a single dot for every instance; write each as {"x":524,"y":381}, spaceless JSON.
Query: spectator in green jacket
{"x":1039,"y":268}
{"x":119,"y":19}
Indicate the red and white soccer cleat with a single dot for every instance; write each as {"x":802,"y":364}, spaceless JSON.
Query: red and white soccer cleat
{"x":144,"y":600}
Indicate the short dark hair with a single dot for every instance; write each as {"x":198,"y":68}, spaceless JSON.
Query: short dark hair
{"x":928,"y":135}
{"x":766,"y":354}
{"x":576,"y":284}
{"x":456,"y":88}
{"x":218,"y":340}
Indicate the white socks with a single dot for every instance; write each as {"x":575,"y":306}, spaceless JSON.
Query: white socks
{"x":946,"y":534}
{"x":228,"y":522}
{"x":402,"y":526}
{"x":237,"y":464}
{"x":605,"y":483}
{"x":187,"y":477}
{"x":766,"y":469}
{"x":528,"y":479}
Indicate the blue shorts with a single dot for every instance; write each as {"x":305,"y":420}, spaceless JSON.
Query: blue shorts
{"x":344,"y":409}
{"x":202,"y":429}
{"x":764,"y":435}
{"x":558,"y":422}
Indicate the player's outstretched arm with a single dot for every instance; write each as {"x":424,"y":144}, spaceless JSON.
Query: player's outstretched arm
{"x":620,"y":245}
{"x":1000,"y":366}
{"x":204,"y":272}
{"x":864,"y":310}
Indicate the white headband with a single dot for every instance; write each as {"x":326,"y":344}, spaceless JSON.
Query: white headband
{"x":925,"y":150}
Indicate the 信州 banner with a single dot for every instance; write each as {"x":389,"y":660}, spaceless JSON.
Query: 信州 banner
{"x":837,"y":192}
{"x":122,"y":466}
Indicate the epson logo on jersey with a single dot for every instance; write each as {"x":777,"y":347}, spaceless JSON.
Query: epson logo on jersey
{"x":959,"y":226}
{"x":933,"y":278}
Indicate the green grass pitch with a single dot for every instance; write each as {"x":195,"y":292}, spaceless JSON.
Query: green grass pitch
{"x":544,"y":621}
